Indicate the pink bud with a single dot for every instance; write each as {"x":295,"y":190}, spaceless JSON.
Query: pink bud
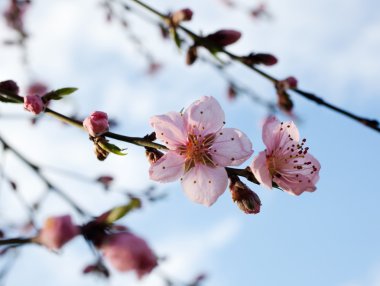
{"x":9,"y":85}
{"x":34,"y":104}
{"x":260,"y":58}
{"x":105,"y":181}
{"x":181,"y":16}
{"x":57,"y":231}
{"x":224,"y":37}
{"x":128,"y":252}
{"x":290,"y":82}
{"x":96,"y":124}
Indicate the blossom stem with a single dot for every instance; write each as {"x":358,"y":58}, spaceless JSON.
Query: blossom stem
{"x":371,"y":123}
{"x":17,"y":241}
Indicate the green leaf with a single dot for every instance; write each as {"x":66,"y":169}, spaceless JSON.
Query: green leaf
{"x":176,"y":38}
{"x":119,"y":212}
{"x":112,"y":148}
{"x":59,"y":93}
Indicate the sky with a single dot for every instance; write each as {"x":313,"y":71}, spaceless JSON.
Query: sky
{"x":329,"y":237}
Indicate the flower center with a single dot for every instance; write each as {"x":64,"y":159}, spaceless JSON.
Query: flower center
{"x":197,"y":150}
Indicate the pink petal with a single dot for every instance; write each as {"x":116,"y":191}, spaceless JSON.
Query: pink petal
{"x":204,"y":184}
{"x":231,"y":147}
{"x":259,"y":168}
{"x":276,"y":134}
{"x":170,"y":129}
{"x":204,"y":116}
{"x":168,"y":168}
{"x":295,"y":186}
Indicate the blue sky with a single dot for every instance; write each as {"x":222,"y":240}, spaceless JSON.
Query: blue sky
{"x":329,"y":237}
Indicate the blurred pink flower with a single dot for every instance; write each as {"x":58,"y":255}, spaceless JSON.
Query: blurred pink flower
{"x":57,"y":231}
{"x":14,"y":14}
{"x":285,"y":161}
{"x":37,"y":88}
{"x":34,"y":104}
{"x":199,"y":149}
{"x":128,"y":252}
{"x":181,"y":16}
{"x":97,"y":123}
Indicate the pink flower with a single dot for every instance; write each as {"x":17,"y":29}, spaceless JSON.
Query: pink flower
{"x":96,"y":124}
{"x":37,"y":88}
{"x":199,"y":149}
{"x":126,"y":251}
{"x":34,"y":104}
{"x":286,"y":160}
{"x":57,"y":231}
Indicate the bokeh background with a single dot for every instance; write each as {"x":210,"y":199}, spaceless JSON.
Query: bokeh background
{"x":329,"y":237}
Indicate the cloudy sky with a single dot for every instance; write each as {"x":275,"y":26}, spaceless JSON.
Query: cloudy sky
{"x":330,"y":237}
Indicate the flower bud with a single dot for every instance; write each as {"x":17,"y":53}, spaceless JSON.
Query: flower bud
{"x":10,"y":85}
{"x":182,"y":15}
{"x":260,"y":58}
{"x":96,"y":124}
{"x":34,"y":104}
{"x":153,"y":155}
{"x":57,"y":231}
{"x":231,"y":92}
{"x":128,"y":252}
{"x":191,"y":55}
{"x":247,"y":200}
{"x":224,"y":37}
{"x":105,"y":181}
{"x":284,"y":101}
{"x":100,"y":152}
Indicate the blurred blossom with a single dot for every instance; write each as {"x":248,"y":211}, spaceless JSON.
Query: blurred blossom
{"x":286,"y":161}
{"x":37,"y":88}
{"x":199,"y":149}
{"x":128,"y":252}
{"x":182,"y":15}
{"x":57,"y":231}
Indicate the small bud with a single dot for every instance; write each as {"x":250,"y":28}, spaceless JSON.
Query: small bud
{"x":182,"y":15}
{"x":247,"y":200}
{"x":284,"y":101}
{"x":57,"y":231}
{"x":105,"y":181}
{"x":97,"y":268}
{"x":224,"y":37}
{"x":154,"y":68}
{"x":10,"y":85}
{"x":231,"y":92}
{"x":34,"y":104}
{"x":153,"y":155}
{"x":96,"y":124}
{"x":260,"y":58}
{"x":100,"y":152}
{"x":191,"y":55}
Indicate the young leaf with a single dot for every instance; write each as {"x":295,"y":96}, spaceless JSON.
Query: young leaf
{"x":59,"y":93}
{"x":119,"y":212}
{"x":112,"y":148}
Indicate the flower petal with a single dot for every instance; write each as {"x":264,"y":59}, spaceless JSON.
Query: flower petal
{"x":170,"y":129}
{"x":231,"y":147}
{"x":204,"y":184}
{"x":295,"y":186}
{"x":204,"y":116}
{"x":168,"y":168}
{"x":276,"y":134}
{"x":260,"y":169}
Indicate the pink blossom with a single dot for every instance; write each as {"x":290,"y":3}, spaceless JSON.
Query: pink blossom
{"x":286,"y":161}
{"x":34,"y":104}
{"x":37,"y":88}
{"x":57,"y":231}
{"x":97,"y":123}
{"x":126,"y":251}
{"x":199,"y":149}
